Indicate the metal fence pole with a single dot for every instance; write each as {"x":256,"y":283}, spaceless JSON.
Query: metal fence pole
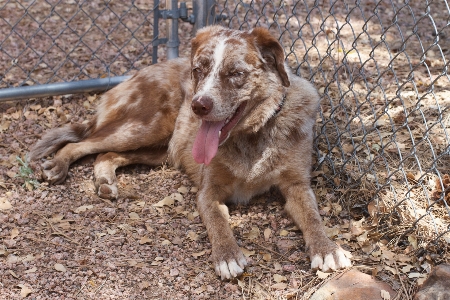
{"x":61,"y":88}
{"x":172,"y":29}
{"x":204,"y":13}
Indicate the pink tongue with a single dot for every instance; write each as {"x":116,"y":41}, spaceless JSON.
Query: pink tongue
{"x":207,"y":141}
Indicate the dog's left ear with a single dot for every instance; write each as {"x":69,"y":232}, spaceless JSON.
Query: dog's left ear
{"x":271,"y":51}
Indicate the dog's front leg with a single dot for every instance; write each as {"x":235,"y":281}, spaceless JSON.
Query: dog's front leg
{"x":301,"y":205}
{"x":226,"y":255}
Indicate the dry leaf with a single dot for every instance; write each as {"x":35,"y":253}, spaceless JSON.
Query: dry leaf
{"x":277,"y":266}
{"x":252,"y":234}
{"x":14,"y":233}
{"x":407,"y":268}
{"x":183,"y":190}
{"x":110,"y":231}
{"x":413,"y":241}
{"x":356,"y":227}
{"x":5,"y":204}
{"x":176,"y":196}
{"x":5,"y":125}
{"x":392,"y":270}
{"x":83,"y":208}
{"x":192,"y":235}
{"x":60,"y":268}
{"x":267,"y":257}
{"x":389,"y":255}
{"x":197,"y":254}
{"x":13,"y":274}
{"x":279,"y":278}
{"x":322,"y":275}
{"x":145,"y":240}
{"x":29,"y":257}
{"x":12,"y":259}
{"x":149,"y":228}
{"x":132,"y":262}
{"x":144,"y":284}
{"x":362,"y":237}
{"x":133,"y":216}
{"x":385,"y":295}
{"x":25,"y":291}
{"x":416,"y":275}
{"x":32,"y":270}
{"x":247,"y":253}
{"x":166,"y":242}
{"x":284,"y":232}
{"x":267,"y":234}
{"x":333,"y":231}
{"x":241,"y":283}
{"x":200,"y":290}
{"x":279,"y":286}
{"x":165,"y":202}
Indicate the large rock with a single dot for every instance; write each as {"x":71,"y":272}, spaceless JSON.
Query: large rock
{"x":437,"y":285}
{"x":353,"y":285}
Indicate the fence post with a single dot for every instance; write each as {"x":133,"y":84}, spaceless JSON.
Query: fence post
{"x":172,"y":29}
{"x":204,"y":13}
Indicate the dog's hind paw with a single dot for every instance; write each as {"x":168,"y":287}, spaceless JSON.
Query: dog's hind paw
{"x":54,"y":171}
{"x":231,"y":267}
{"x":106,"y":189}
{"x":337,"y":259}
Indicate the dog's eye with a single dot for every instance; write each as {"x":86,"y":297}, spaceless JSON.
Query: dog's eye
{"x":236,"y":74}
{"x":197,"y":70}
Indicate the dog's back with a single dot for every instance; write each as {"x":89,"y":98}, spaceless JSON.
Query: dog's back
{"x":157,"y":89}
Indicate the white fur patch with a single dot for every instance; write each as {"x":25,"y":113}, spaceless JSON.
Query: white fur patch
{"x":316,"y":262}
{"x":228,"y":270}
{"x":218,"y":56}
{"x":343,"y":261}
{"x":329,"y":263}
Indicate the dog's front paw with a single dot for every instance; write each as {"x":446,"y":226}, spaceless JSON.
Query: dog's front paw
{"x":229,"y":262}
{"x":328,"y":256}
{"x":106,"y":189}
{"x":54,"y":171}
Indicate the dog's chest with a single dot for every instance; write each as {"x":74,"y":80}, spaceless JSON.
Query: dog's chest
{"x":255,"y":169}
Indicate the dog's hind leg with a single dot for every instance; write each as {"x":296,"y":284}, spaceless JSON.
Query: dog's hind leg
{"x":122,"y":139}
{"x":107,"y":163}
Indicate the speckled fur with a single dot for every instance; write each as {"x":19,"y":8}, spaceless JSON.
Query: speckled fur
{"x":149,"y":118}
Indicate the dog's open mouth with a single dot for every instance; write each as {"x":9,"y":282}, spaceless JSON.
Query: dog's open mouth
{"x":212,"y":134}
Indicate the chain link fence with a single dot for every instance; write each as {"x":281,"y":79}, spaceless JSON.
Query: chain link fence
{"x":382,"y":139}
{"x":381,"y":67}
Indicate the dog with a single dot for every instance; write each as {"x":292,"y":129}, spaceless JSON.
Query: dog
{"x":233,"y":117}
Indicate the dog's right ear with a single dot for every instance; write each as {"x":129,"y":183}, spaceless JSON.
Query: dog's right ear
{"x":271,"y":51}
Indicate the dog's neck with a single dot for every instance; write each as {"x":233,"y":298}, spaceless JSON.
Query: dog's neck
{"x":280,"y":106}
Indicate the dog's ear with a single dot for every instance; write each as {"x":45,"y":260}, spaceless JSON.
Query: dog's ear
{"x":271,"y":51}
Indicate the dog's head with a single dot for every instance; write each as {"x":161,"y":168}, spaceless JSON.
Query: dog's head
{"x":239,"y":80}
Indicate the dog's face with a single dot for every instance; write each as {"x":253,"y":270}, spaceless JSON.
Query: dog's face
{"x":239,"y":80}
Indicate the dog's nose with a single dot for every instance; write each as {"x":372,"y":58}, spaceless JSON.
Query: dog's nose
{"x":202,"y":106}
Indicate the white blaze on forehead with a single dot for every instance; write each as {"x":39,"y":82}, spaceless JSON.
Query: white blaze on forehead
{"x":218,"y":56}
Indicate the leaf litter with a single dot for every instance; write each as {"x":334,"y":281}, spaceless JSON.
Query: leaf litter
{"x":153,"y":236}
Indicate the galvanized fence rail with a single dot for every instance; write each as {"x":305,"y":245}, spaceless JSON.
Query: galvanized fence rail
{"x":381,"y":67}
{"x":63,"y":47}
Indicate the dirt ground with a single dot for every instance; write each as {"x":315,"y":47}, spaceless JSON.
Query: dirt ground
{"x":64,"y":242}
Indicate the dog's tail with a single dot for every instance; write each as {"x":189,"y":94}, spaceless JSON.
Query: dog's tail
{"x":57,"y":138}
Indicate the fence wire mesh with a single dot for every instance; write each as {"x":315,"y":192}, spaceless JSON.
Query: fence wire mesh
{"x":381,"y":67}
{"x":382,"y":139}
{"x":51,"y":41}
